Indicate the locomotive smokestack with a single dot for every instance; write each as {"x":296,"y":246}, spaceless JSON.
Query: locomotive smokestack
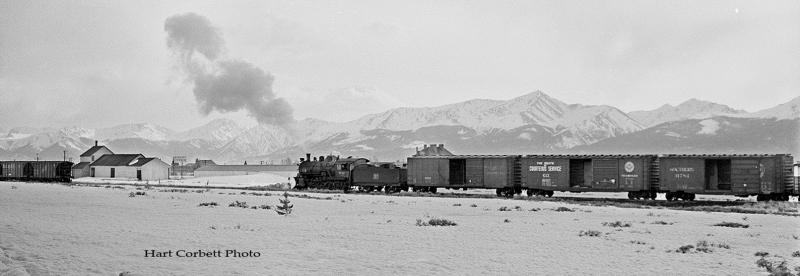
{"x":308,"y":156}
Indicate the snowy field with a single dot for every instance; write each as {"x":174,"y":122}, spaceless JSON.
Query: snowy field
{"x":260,"y":179}
{"x":51,"y":229}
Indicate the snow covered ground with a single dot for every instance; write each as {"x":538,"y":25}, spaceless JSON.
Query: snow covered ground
{"x":52,"y":229}
{"x":261,"y":179}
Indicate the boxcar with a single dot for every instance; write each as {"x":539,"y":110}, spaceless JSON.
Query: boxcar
{"x":426,"y":173}
{"x":543,"y":174}
{"x":35,"y":170}
{"x":766,"y":176}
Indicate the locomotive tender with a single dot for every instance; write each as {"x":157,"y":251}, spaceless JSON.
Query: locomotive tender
{"x":45,"y":171}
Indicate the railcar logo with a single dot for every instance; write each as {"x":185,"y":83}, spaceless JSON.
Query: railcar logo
{"x":629,"y":167}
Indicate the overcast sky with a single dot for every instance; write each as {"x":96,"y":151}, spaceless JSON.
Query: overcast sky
{"x":93,"y":64}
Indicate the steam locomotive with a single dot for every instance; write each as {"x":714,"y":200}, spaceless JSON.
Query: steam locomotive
{"x":678,"y":176}
{"x":335,"y":173}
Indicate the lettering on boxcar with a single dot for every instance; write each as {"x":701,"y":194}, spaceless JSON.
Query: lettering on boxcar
{"x":682,"y":172}
{"x":375,"y":176}
{"x":545,"y":167}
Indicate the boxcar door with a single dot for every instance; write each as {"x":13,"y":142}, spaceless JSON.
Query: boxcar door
{"x":767,"y":168}
{"x":139,"y":174}
{"x":27,"y":170}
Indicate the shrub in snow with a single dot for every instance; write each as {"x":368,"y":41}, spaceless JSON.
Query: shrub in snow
{"x":285,"y":208}
{"x":436,"y":222}
{"x":563,"y":209}
{"x":617,"y":224}
{"x":240,"y":204}
{"x":589,"y":233}
{"x":732,"y":224}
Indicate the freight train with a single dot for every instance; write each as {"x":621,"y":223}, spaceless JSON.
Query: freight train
{"x":44,"y":171}
{"x":678,"y":176}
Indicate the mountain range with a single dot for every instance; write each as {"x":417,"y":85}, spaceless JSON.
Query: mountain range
{"x":529,"y":124}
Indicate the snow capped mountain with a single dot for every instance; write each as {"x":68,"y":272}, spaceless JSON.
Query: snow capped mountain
{"x":531,"y":123}
{"x":788,"y":110}
{"x":258,"y":140}
{"x":691,"y":109}
{"x":218,"y":132}
{"x":144,"y":130}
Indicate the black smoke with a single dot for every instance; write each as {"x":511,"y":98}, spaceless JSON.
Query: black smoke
{"x":221,"y":84}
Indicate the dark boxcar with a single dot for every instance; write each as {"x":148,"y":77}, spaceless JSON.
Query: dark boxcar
{"x":433,"y":171}
{"x":740,"y":175}
{"x":35,"y":170}
{"x":461,"y":171}
{"x":586,"y":172}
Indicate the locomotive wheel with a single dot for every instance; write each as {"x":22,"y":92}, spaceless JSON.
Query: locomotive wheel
{"x":653,"y":195}
{"x":433,"y":190}
{"x":631,"y":196}
{"x":550,"y":193}
{"x":670,"y":196}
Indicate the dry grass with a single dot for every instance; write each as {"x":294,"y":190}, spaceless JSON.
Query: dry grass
{"x":436,"y":222}
{"x":732,"y":224}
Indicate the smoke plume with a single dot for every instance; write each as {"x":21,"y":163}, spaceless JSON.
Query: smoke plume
{"x":224,"y":85}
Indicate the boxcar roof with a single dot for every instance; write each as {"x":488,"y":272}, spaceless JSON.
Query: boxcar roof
{"x":461,"y":156}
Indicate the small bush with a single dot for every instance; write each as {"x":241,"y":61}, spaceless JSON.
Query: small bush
{"x":638,"y":242}
{"x":589,"y":233}
{"x":534,"y":209}
{"x":240,"y":204}
{"x":504,"y":208}
{"x":473,"y":205}
{"x":563,"y":209}
{"x":617,"y":224}
{"x":702,"y":247}
{"x":209,"y":204}
{"x":685,"y":249}
{"x":796,"y":254}
{"x":762,"y":254}
{"x":661,"y":222}
{"x":777,"y":270}
{"x":436,"y":222}
{"x":457,"y":204}
{"x":518,"y":208}
{"x":732,"y":224}
{"x":507,"y":220}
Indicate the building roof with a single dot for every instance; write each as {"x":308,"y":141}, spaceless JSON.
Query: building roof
{"x":433,"y":150}
{"x":93,"y":150}
{"x":116,"y":159}
{"x":141,"y":161}
{"x":81,"y":165}
{"x":248,"y":168}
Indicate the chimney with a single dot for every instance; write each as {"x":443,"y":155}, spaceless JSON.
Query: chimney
{"x":441,"y":146}
{"x":95,"y":143}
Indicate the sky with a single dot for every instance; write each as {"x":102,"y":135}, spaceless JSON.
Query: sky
{"x":103,"y":63}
